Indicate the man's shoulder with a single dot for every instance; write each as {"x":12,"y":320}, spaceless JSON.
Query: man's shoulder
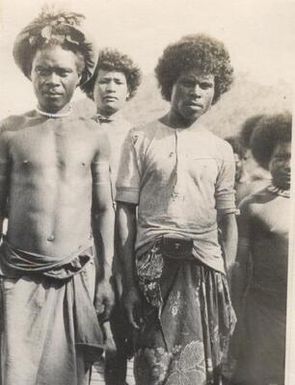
{"x":214,"y":145}
{"x":147,"y":129}
{"x":15,"y":122}
{"x":219,"y":142}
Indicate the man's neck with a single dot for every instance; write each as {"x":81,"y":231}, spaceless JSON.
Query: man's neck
{"x":109,"y":117}
{"x":175,"y":120}
{"x":63,"y":112}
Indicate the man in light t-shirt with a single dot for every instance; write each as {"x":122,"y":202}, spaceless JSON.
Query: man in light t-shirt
{"x":115,"y":81}
{"x":180,"y":178}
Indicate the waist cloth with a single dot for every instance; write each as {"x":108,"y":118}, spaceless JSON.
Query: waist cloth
{"x":187,"y":316}
{"x":48,"y":317}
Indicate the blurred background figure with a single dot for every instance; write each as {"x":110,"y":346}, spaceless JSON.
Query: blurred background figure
{"x":259,"y":285}
{"x":239,"y":155}
{"x":255,"y":177}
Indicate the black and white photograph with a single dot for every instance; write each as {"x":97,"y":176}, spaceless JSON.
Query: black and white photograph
{"x":147,"y":211}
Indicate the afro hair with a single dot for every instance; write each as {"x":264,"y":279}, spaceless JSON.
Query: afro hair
{"x":248,"y":129}
{"x":269,"y":132}
{"x":113,"y":60}
{"x":194,"y":51}
{"x":236,"y":145}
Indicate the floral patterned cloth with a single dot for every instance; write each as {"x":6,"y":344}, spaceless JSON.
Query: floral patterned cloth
{"x":187,"y":321}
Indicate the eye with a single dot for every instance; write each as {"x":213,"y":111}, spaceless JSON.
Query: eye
{"x":43,"y":71}
{"x":103,"y":81}
{"x":63,"y":72}
{"x":206,"y":85}
{"x":187,"y":82}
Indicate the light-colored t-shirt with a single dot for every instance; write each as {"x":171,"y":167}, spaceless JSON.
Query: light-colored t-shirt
{"x":179,"y":178}
{"x":116,"y":127}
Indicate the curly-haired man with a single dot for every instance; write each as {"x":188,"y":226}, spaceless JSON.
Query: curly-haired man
{"x":260,"y":273}
{"x":180,"y":178}
{"x":115,"y":81}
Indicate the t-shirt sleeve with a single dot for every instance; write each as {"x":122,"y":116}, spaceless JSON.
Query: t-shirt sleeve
{"x":128,"y":180}
{"x":224,"y":191}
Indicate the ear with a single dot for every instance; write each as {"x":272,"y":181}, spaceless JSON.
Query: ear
{"x":128,"y":96}
{"x":79,"y":80}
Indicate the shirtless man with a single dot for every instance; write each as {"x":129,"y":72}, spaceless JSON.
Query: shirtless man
{"x":54,"y":168}
{"x":115,"y":81}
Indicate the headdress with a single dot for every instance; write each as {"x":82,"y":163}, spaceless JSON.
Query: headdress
{"x":62,"y":27}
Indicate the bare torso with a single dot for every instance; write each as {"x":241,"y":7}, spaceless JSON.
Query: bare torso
{"x":51,"y":182}
{"x":269,"y":223}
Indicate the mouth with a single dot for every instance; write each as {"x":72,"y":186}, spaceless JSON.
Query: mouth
{"x":110,"y":98}
{"x":50,"y":94}
{"x":195,"y":105}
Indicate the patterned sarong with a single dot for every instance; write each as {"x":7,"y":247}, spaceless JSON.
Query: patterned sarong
{"x":187,"y":319}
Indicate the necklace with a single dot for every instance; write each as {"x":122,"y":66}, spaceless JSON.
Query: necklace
{"x":57,"y":115}
{"x":278,"y":191}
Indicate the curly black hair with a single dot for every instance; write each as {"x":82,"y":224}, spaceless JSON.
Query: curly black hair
{"x":114,"y":60}
{"x":248,"y":129}
{"x":236,"y":145}
{"x":195,"y":51}
{"x":269,"y":132}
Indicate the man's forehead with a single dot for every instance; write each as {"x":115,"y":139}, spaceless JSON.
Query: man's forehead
{"x":111,"y":74}
{"x":198,"y":74}
{"x":55,"y":55}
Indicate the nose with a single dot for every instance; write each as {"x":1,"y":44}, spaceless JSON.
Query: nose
{"x":287,"y":166}
{"x":110,"y":87}
{"x":52,"y":79}
{"x":196,"y":90}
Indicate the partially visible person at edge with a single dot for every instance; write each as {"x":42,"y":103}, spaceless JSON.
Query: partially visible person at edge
{"x":260,"y":274}
{"x":54,"y":166}
{"x":181,"y":178}
{"x":239,"y":154}
{"x":255,"y":177}
{"x":115,"y":81}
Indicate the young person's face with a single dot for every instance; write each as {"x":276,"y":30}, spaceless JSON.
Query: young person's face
{"x":55,"y":77}
{"x":110,"y":91}
{"x":280,"y":165}
{"x":192,"y":95}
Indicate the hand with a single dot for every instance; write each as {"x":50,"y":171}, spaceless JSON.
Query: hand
{"x":109,"y":342}
{"x":104,"y":300}
{"x":132,"y":302}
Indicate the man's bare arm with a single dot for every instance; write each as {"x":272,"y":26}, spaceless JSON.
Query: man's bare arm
{"x":103,"y":227}
{"x":4,"y":177}
{"x":229,"y":232}
{"x":125,"y":239}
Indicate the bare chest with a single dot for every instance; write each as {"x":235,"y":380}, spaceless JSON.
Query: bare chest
{"x":50,"y":147}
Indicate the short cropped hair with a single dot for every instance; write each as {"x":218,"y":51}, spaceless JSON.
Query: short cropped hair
{"x":114,"y":60}
{"x":270,"y":131}
{"x":236,"y":145}
{"x":248,"y":129}
{"x":200,"y":52}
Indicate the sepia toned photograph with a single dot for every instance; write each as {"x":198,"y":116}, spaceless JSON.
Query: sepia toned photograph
{"x":146,"y":192}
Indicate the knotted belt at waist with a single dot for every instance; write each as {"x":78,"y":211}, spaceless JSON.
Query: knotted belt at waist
{"x":175,"y":247}
{"x":88,"y":334}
